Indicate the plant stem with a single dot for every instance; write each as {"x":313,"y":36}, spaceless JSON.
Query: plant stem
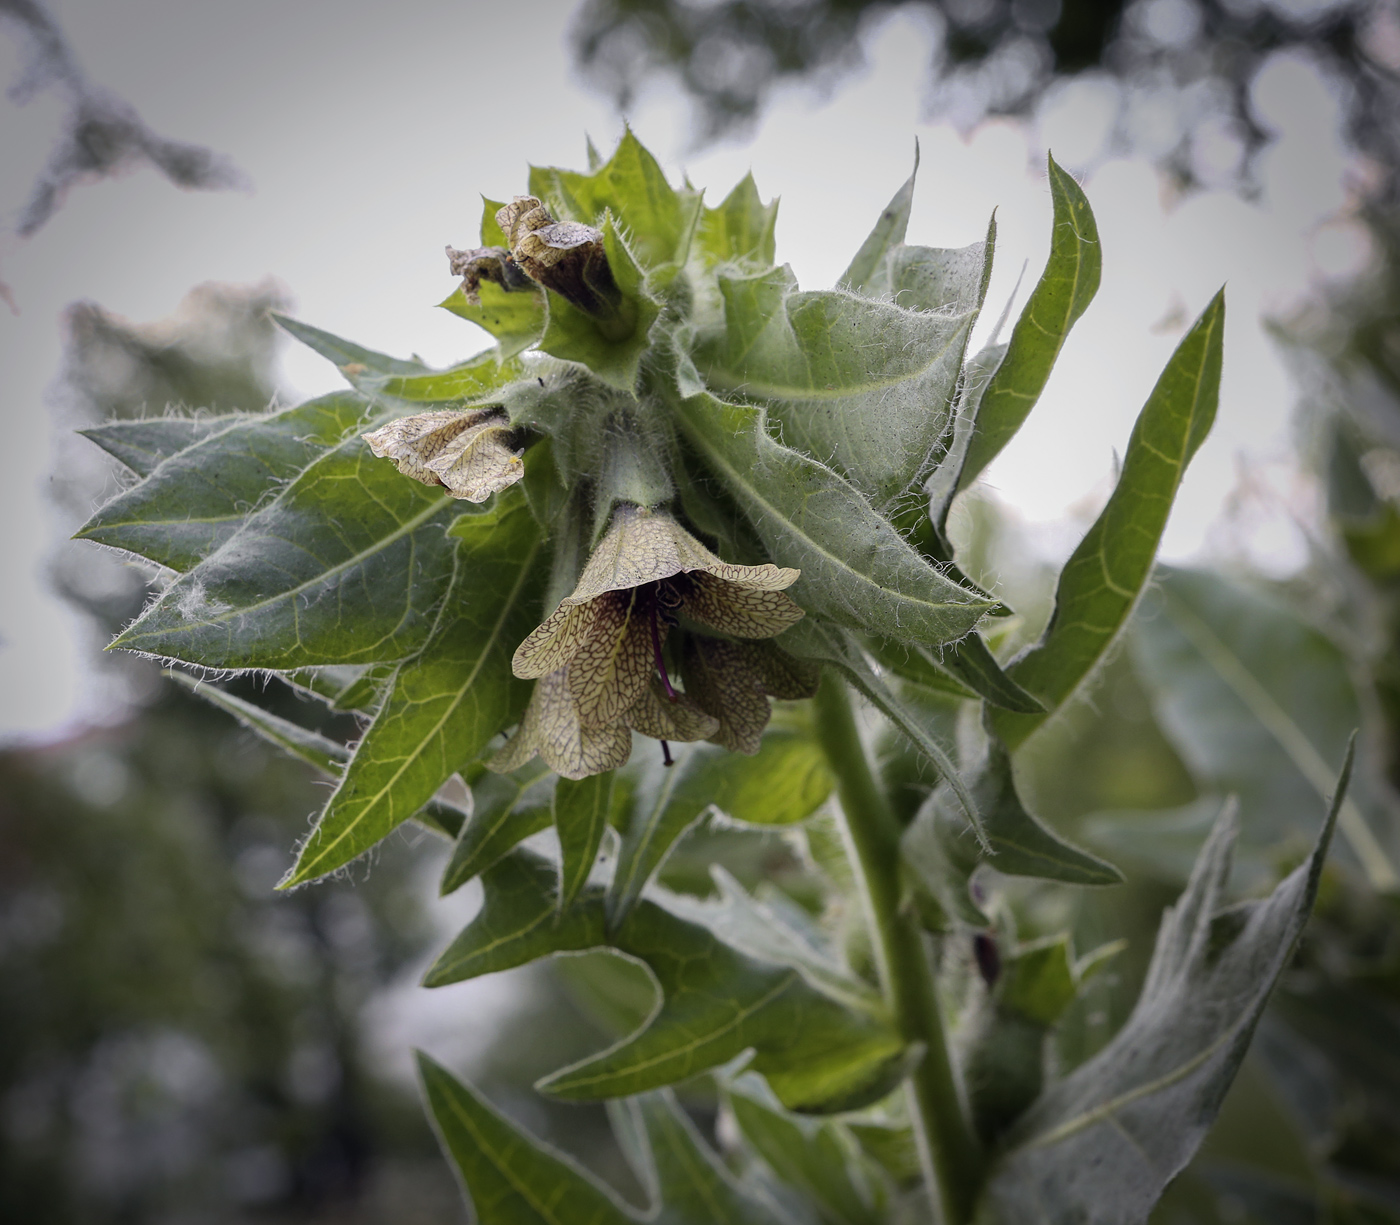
{"x":948,"y":1149}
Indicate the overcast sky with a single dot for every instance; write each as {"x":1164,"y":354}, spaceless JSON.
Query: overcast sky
{"x":369,"y":132}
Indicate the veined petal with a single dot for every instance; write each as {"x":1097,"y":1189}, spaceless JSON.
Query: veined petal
{"x":554,"y":642}
{"x":654,"y":714}
{"x":413,"y":442}
{"x":610,"y":668}
{"x":477,"y":463}
{"x":719,"y":677}
{"x":551,"y":730}
{"x":743,"y":611}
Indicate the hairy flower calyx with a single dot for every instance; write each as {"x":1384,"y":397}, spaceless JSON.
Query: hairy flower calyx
{"x":469,"y":452}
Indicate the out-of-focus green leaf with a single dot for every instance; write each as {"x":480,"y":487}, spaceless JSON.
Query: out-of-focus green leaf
{"x":888,"y":234}
{"x":670,"y":800}
{"x":510,"y":1177}
{"x":1100,"y":1145}
{"x":1258,"y":703}
{"x":197,"y":498}
{"x":347,"y":565}
{"x":328,"y":756}
{"x":506,"y":809}
{"x":685,"y":1179}
{"x":856,"y":569}
{"x":1102,"y":580}
{"x":864,"y":385}
{"x":445,"y":703}
{"x":1065,"y":289}
{"x":354,"y":361}
{"x":143,"y":443}
{"x":741,"y":229}
{"x":613,"y":353}
{"x":634,"y":188}
{"x":1020,"y":844}
{"x":515,"y":319}
{"x":966,"y":668}
{"x":817,"y":1158}
{"x":581,"y":811}
{"x":716,"y":1002}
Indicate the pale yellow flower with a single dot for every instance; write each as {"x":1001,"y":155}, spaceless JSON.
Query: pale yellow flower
{"x":468,"y":452}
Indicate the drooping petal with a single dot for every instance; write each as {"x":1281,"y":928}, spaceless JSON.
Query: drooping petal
{"x":610,"y":668}
{"x":656,"y":715}
{"x":554,"y":642}
{"x":745,"y":612}
{"x":478,"y":462}
{"x":719,"y":676}
{"x":417,"y":443}
{"x":550,"y":729}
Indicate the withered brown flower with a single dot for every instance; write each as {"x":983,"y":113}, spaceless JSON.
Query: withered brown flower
{"x":646,"y":572}
{"x":468,"y":452}
{"x":565,"y":256}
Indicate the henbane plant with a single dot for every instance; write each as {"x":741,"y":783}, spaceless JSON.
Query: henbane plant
{"x":579,"y":569}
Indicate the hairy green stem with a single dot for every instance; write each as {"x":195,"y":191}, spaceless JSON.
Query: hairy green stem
{"x":948,"y":1149}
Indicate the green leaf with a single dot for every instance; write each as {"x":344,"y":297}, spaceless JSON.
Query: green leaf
{"x":143,"y":443}
{"x":888,"y":234}
{"x":741,"y":229}
{"x":506,"y":809}
{"x":633,"y":187}
{"x":515,"y":319}
{"x":581,"y":811}
{"x":820,"y":1159}
{"x":1065,"y":289}
{"x":357,"y":687}
{"x":510,"y":1177}
{"x":1106,"y":574}
{"x":199,"y":497}
{"x":685,"y":1179}
{"x":864,"y":385}
{"x":345,"y":353}
{"x":471,"y":381}
{"x":966,"y":668}
{"x":1100,"y":1145}
{"x":1019,"y":843}
{"x":704,"y":777}
{"x":326,"y":755}
{"x":491,"y":233}
{"x":837,"y":647}
{"x":445,"y":703}
{"x":716,"y":1002}
{"x":1257,"y":702}
{"x":347,"y":565}
{"x":855,"y":567}
{"x":612,"y":352}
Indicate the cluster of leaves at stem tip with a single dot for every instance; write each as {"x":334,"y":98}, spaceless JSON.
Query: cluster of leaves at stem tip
{"x":576,"y":571}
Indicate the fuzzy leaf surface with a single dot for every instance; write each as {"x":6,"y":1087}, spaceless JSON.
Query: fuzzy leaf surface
{"x":887,"y":234}
{"x":469,"y":382}
{"x":1099,"y":1147}
{"x":1101,"y":582}
{"x":670,"y":800}
{"x":510,"y":1177}
{"x":445,"y":703}
{"x":353,"y":361}
{"x":346,"y":565}
{"x":514,"y":319}
{"x":856,"y":569}
{"x":194,"y":500}
{"x":864,"y":385}
{"x":741,"y":229}
{"x":715,"y":1001}
{"x":684,"y":1177}
{"x":143,"y":443}
{"x":1064,"y":291}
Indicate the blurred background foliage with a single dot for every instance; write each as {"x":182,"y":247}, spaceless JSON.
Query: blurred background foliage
{"x":179,"y":1044}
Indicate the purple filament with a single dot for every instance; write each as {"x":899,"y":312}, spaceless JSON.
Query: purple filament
{"x":661,"y":667}
{"x":666,"y":758}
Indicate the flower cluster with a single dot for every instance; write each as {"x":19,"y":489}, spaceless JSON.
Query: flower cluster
{"x":600,"y":662}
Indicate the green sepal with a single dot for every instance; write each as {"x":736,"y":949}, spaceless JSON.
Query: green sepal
{"x":516,"y":319}
{"x":741,"y":230}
